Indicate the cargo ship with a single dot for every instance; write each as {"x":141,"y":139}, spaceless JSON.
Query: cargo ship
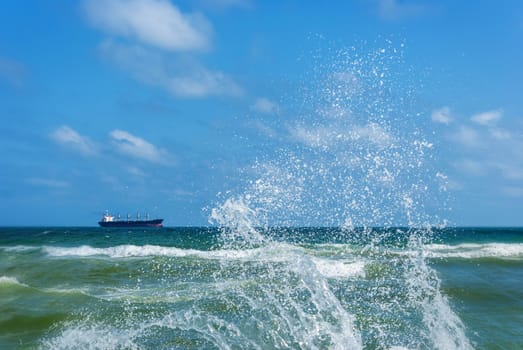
{"x":110,"y":221}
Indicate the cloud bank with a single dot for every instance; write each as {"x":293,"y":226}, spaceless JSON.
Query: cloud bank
{"x":181,"y":77}
{"x":160,"y":46}
{"x":487,"y":147}
{"x":123,"y":142}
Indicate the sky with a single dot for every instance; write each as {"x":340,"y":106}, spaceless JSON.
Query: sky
{"x":163,"y":106}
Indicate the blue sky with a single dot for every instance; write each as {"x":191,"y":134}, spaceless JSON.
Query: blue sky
{"x":166,"y":106}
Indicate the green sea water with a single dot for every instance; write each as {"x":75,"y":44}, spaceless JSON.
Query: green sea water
{"x":309,"y":288}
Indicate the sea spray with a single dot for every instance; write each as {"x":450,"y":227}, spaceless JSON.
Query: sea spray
{"x":444,"y":329}
{"x":303,"y":312}
{"x":238,"y":222}
{"x":352,"y":155}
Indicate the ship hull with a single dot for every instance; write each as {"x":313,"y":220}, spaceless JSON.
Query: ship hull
{"x":132,"y":223}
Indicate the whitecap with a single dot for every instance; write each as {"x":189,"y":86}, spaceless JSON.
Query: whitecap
{"x":121,"y":251}
{"x":476,"y":250}
{"x":274,"y":252}
{"x":6,"y":280}
{"x":340,"y":269}
{"x":18,"y":248}
{"x":92,"y":337}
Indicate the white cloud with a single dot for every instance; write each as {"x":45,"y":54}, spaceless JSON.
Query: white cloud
{"x":332,"y":135}
{"x":225,"y":4}
{"x":67,"y":136}
{"x":153,"y":22}
{"x":157,"y":34}
{"x":317,"y":137}
{"x":334,"y":111}
{"x":37,"y":181}
{"x":468,"y":137}
{"x":492,"y":150}
{"x":135,"y":171}
{"x":512,"y":191}
{"x":262,"y":128}
{"x":442,"y":115}
{"x":495,"y":151}
{"x":181,"y":77}
{"x":471,"y":167}
{"x":373,"y":133}
{"x":137,"y":147}
{"x":472,"y":136}
{"x":201,"y":82}
{"x":266,"y":106}
{"x":395,"y":9}
{"x":123,"y":141}
{"x":511,"y":169}
{"x":499,"y":134}
{"x":488,"y":118}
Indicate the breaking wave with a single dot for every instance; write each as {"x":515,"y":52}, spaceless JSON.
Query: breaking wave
{"x":476,"y":250}
{"x":6,"y":280}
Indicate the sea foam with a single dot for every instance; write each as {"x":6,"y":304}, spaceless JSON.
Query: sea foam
{"x":19,"y":248}
{"x":476,"y":250}
{"x":91,"y":337}
{"x":274,"y":252}
{"x":129,"y":251}
{"x":339,"y":269}
{"x":10,"y":280}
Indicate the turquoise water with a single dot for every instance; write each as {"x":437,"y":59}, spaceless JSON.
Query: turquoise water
{"x":310,"y":288}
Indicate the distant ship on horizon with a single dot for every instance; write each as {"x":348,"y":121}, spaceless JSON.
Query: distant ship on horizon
{"x":110,"y":221}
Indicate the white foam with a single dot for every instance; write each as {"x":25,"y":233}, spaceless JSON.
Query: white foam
{"x":92,"y":337}
{"x":127,"y":251}
{"x":444,"y":327}
{"x":10,"y":280}
{"x":19,"y":248}
{"x":475,"y":250}
{"x":240,"y":219}
{"x":273,"y":252}
{"x":339,"y":268}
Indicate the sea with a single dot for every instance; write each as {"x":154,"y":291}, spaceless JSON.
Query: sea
{"x":292,"y":288}
{"x":333,"y":233}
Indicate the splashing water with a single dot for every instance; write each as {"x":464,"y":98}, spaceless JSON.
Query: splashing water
{"x":351,"y":155}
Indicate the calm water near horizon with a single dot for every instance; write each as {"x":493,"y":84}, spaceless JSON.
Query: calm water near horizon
{"x":190,"y":288}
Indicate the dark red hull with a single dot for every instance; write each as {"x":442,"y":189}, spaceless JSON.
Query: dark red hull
{"x":132,"y":223}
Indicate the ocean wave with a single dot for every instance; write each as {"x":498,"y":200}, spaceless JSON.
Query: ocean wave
{"x":476,"y":250}
{"x":19,"y":248}
{"x":6,"y":280}
{"x":130,"y":251}
{"x":87,"y":336}
{"x":121,"y":251}
{"x":339,"y":269}
{"x":330,"y":268}
{"x":13,"y":281}
{"x":273,"y":252}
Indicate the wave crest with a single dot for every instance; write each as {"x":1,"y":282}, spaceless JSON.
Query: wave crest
{"x":476,"y":250}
